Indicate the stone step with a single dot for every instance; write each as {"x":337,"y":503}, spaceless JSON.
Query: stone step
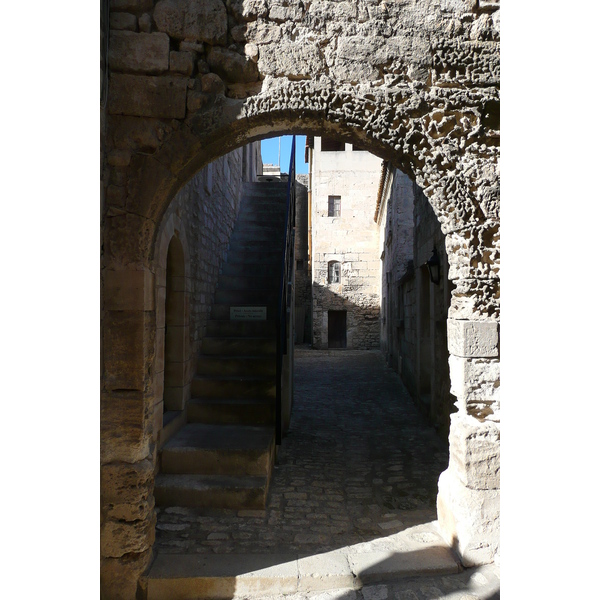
{"x":221,"y":576}
{"x":252,"y":233}
{"x":235,"y":346}
{"x":254,"y":297}
{"x":210,"y":449}
{"x":262,"y":220}
{"x":248,"y":411}
{"x":229,"y":387}
{"x":248,"y":281}
{"x":262,"y":201}
{"x":236,"y":365}
{"x":256,"y":258}
{"x":263,"y":246}
{"x":217,"y":329}
{"x":241,"y":269}
{"x":210,"y":491}
{"x":255,"y":262}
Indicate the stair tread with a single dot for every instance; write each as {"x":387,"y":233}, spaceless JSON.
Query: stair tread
{"x":229,"y":400}
{"x":249,"y":378}
{"x":209,"y":482}
{"x":202,"y":436}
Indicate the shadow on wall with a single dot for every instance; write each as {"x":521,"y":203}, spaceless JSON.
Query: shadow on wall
{"x":358,"y":329}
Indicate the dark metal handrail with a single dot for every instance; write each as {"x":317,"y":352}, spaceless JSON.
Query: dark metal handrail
{"x":285,"y":284}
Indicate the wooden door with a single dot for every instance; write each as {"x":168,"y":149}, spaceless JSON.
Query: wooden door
{"x":336,"y":328}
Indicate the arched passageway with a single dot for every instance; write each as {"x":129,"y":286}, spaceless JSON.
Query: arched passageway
{"x":417,"y":85}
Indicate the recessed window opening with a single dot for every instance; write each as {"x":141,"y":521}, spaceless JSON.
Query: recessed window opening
{"x":330,"y":145}
{"x":334,"y":272}
{"x":335,"y":206}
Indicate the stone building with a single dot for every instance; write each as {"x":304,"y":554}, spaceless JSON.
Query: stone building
{"x":184,"y":82}
{"x":414,"y":308}
{"x":344,"y":245}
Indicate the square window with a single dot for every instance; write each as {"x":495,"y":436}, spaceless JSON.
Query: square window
{"x":335,"y":206}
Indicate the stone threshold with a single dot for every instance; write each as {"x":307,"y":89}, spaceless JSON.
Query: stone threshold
{"x":414,"y":552}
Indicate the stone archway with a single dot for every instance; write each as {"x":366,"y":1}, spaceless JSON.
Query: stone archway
{"x":193,"y":79}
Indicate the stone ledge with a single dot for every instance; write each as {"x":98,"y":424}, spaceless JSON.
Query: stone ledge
{"x":416,"y":551}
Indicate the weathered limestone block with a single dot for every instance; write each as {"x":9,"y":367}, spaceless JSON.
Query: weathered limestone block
{"x":123,"y":537}
{"x":279,"y":12}
{"x":231,"y":66}
{"x":122,"y":247}
{"x":116,"y":195}
{"x":194,"y":47}
{"x":474,"y":252}
{"x":128,"y":290}
{"x":134,"y":6}
{"x":490,"y":5}
{"x":467,"y":63}
{"x":132,"y":133}
{"x":475,"y":452}
{"x":475,"y":299}
{"x":145,"y":23}
{"x":257,"y":32}
{"x":196,"y":100}
{"x":161,"y":97}
{"x":139,"y":52}
{"x":192,"y":20}
{"x":125,"y":426}
{"x":122,"y":483}
{"x":124,"y":343}
{"x":182,"y":62}
{"x":320,"y":13}
{"x":248,"y":10}
{"x":130,"y":511}
{"x":475,"y":378}
{"x":473,"y":338}
{"x":119,"y":577}
{"x":123,"y":21}
{"x":291,"y":59}
{"x":119,"y":157}
{"x":469,"y":520}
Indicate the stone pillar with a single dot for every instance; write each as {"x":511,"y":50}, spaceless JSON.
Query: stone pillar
{"x":469,"y":490}
{"x":126,"y":422}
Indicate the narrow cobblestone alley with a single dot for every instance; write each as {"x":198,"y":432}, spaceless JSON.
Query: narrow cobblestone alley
{"x":359,"y":465}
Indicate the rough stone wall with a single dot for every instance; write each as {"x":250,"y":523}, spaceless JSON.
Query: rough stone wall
{"x":413,"y":324}
{"x":303,"y":294}
{"x":208,"y":205}
{"x":351,"y":239}
{"x":415,"y":83}
{"x":202,"y":215}
{"x":428,"y":234}
{"x":395,"y":219}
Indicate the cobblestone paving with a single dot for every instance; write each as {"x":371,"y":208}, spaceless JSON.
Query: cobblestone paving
{"x":359,"y":463}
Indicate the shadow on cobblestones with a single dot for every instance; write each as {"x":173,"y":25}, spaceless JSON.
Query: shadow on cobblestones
{"x":359,"y":464}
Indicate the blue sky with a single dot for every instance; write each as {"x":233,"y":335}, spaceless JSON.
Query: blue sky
{"x":270,"y":152}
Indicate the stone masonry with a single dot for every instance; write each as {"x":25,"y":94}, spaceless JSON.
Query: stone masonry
{"x":190,"y":80}
{"x":350,"y":239}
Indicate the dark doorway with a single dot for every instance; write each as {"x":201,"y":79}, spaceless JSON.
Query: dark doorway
{"x":336,"y":328}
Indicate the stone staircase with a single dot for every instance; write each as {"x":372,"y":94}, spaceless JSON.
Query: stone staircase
{"x":223,"y":456}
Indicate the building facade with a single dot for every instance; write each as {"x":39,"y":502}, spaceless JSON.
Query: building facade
{"x":344,"y":246}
